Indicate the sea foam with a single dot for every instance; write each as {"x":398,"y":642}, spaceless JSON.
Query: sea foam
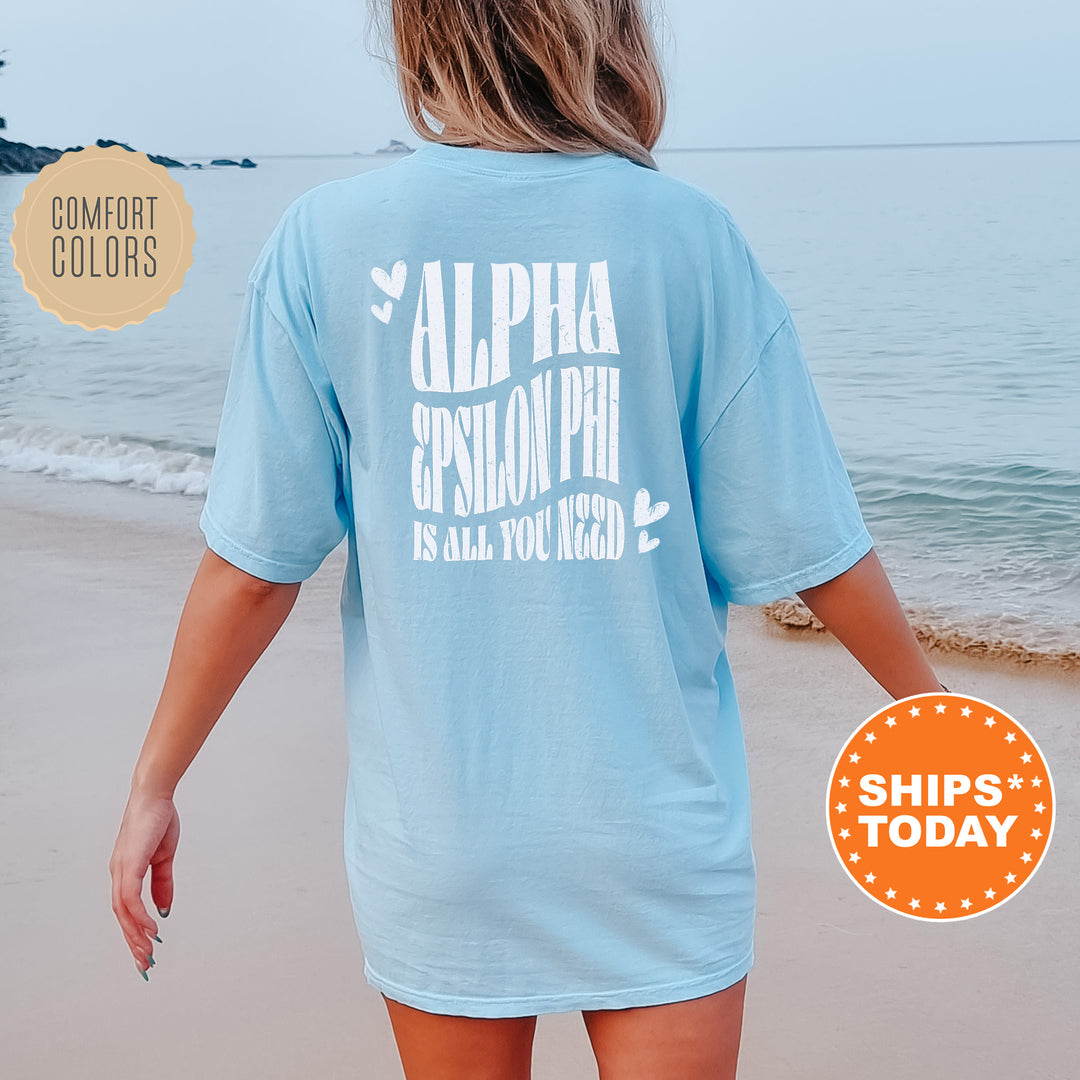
{"x":105,"y":458}
{"x":997,"y":637}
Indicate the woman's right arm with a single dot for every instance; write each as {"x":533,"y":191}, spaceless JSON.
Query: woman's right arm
{"x":227,"y":622}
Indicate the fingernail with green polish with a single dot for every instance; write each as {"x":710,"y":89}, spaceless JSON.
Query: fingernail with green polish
{"x":158,"y":940}
{"x":152,"y":961}
{"x":145,"y":976}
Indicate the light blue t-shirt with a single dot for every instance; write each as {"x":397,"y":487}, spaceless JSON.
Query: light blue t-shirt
{"x":562,"y":418}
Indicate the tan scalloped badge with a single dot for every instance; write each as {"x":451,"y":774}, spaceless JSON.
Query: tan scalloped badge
{"x":103,"y":237}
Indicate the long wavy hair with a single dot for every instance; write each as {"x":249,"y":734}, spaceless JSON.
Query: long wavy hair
{"x":577,"y":76}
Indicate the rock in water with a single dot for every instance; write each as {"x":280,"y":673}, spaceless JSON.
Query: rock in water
{"x":157,"y":159}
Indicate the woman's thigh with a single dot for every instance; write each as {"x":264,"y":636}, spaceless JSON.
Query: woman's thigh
{"x":686,"y":1040}
{"x":437,"y":1047}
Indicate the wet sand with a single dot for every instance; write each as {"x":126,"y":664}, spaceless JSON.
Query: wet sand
{"x":259,"y":973}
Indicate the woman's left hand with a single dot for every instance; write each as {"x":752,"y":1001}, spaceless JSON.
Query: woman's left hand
{"x":147,"y":840}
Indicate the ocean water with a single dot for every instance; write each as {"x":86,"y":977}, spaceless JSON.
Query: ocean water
{"x":935,"y":290}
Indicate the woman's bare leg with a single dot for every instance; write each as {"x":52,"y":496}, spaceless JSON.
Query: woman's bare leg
{"x":686,"y":1040}
{"x":436,"y":1047}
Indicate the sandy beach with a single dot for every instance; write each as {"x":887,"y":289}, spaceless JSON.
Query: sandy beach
{"x":259,"y":973}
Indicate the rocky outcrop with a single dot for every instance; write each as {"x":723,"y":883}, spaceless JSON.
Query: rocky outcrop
{"x":16,"y":157}
{"x":157,"y":159}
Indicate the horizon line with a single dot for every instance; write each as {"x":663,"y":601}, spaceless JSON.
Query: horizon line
{"x":867,"y":146}
{"x":736,"y":149}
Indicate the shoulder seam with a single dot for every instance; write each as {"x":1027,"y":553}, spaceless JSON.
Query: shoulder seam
{"x":750,"y":374}
{"x":262,"y":294}
{"x":312,"y":380}
{"x":283,"y":325}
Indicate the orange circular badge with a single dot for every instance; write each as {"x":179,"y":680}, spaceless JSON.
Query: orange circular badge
{"x":940,"y":807}
{"x":103,"y":237}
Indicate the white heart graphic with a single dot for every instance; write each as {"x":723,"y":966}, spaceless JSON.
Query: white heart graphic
{"x":393,"y":283}
{"x":644,"y":543}
{"x":644,"y":514}
{"x":382,"y":313}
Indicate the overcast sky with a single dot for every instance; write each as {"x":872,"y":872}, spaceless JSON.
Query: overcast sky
{"x":213,"y":77}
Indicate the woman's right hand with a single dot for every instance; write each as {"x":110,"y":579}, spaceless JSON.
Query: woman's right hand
{"x":229,"y":618}
{"x":147,"y":840}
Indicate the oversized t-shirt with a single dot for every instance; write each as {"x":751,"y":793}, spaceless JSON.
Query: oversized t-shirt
{"x":562,"y":419}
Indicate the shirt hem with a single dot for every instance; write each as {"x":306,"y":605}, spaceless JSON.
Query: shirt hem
{"x":280,"y":573}
{"x":659,"y":994}
{"x":807,"y":578}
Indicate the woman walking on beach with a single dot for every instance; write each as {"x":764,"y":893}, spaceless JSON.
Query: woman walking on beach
{"x":563,"y":419}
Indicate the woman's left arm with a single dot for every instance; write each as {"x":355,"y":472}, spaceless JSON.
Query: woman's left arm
{"x":861,"y":610}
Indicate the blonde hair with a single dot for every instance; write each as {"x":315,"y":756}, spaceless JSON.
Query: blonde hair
{"x":577,"y":76}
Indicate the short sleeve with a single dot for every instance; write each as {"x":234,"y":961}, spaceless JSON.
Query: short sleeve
{"x":775,"y":508}
{"x":275,"y":506}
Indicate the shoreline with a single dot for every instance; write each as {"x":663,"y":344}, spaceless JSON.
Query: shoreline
{"x":260,"y":956}
{"x":936,"y":634}
{"x":121,"y":466}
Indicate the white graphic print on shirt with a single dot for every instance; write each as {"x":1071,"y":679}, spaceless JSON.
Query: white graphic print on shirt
{"x":460,"y":467}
